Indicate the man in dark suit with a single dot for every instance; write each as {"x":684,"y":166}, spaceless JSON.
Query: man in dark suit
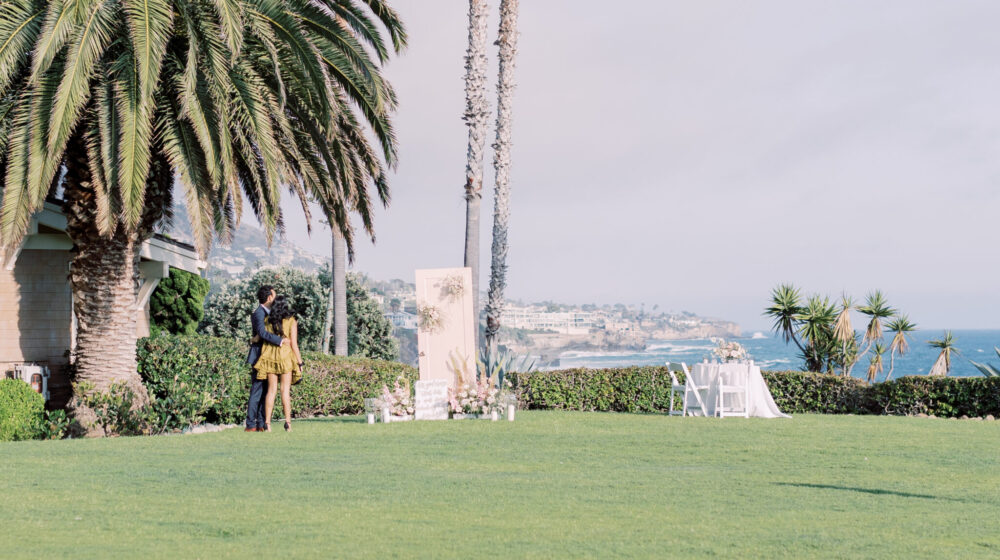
{"x":255,"y":407}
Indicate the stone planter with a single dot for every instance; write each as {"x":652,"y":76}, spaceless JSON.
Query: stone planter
{"x":394,"y":418}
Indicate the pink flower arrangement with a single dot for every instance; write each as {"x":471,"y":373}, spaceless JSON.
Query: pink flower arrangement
{"x":399,"y":400}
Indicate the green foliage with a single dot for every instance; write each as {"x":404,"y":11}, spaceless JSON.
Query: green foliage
{"x":227,"y":311}
{"x":56,"y":425}
{"x":178,"y":303}
{"x":338,"y":385}
{"x":115,"y":408}
{"x":824,"y":334}
{"x":369,"y":333}
{"x":173,"y":366}
{"x":632,"y":389}
{"x":118,"y":414}
{"x":222,"y":96}
{"x":21,"y":411}
{"x":203,"y":364}
{"x":647,"y":389}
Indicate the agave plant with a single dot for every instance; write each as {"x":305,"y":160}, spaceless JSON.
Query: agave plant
{"x":496,"y":364}
{"x":989,"y":370}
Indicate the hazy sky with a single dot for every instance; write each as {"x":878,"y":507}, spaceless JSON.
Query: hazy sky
{"x":696,"y":154}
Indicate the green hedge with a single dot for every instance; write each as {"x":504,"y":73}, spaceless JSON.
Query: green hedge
{"x":330,"y":384}
{"x":21,"y":411}
{"x":647,"y":389}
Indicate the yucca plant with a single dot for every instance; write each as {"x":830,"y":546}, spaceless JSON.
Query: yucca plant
{"x":989,"y":370}
{"x":942,"y":365}
{"x":105,"y":102}
{"x":875,"y":364}
{"x":816,"y":328}
{"x":843,"y":332}
{"x":900,"y":326}
{"x":785,"y":308}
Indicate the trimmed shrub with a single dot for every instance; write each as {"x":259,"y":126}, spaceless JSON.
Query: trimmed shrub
{"x":330,"y":384}
{"x":632,"y":389}
{"x":21,"y":411}
{"x":338,"y":385}
{"x":940,"y":396}
{"x":824,"y":393}
{"x":647,"y":389}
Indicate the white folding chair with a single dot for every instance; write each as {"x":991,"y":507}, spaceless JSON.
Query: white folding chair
{"x":735,"y":383}
{"x":676,"y":387}
{"x":695,"y":406}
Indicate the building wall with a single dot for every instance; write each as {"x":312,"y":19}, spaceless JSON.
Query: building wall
{"x":36,"y":316}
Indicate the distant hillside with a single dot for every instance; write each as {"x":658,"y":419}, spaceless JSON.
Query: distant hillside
{"x":248,"y":248}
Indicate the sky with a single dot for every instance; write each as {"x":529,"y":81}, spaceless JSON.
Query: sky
{"x":694,"y":155}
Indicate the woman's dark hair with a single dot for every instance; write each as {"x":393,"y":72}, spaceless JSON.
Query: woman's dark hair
{"x":263,"y":293}
{"x":280,"y":310}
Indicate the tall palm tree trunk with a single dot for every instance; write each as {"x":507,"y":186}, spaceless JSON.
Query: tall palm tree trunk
{"x":507,"y":42}
{"x":476,"y":114}
{"x":328,"y":321}
{"x":339,"y":286}
{"x":892,"y":364}
{"x":104,"y":276}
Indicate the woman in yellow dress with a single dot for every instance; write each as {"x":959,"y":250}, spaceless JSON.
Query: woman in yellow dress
{"x":280,"y":362}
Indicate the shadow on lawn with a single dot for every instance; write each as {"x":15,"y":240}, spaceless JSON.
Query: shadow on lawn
{"x":876,"y":491}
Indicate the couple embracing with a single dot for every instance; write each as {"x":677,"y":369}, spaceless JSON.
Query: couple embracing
{"x":274,"y":355}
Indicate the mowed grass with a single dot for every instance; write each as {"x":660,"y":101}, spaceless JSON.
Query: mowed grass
{"x":552,"y":484}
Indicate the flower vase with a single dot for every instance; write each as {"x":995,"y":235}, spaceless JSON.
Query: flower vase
{"x":494,"y":415}
{"x":386,"y":416}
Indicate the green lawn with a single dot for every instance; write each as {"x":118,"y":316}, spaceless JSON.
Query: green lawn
{"x":549,"y":485}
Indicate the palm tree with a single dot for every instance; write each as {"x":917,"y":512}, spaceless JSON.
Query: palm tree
{"x":875,"y":366}
{"x":501,"y":164}
{"x":476,"y":115}
{"x":338,"y":285}
{"x":900,"y":327}
{"x":843,"y":332}
{"x":942,"y":366}
{"x":105,"y":102}
{"x":786,"y":306}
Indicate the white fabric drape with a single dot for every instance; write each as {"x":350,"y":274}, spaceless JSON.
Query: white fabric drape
{"x":761,"y":404}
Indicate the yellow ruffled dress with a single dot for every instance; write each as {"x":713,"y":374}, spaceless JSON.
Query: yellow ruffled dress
{"x":278,"y":359}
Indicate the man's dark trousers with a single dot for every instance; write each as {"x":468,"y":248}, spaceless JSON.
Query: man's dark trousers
{"x":255,"y":406}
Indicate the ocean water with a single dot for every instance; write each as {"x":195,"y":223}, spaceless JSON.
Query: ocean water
{"x":773,"y":353}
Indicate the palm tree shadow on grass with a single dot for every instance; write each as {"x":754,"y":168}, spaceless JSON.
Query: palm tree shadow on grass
{"x":876,"y":491}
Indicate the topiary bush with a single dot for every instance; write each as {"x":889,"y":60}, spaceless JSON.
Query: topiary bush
{"x":330,"y":384}
{"x":21,"y":411}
